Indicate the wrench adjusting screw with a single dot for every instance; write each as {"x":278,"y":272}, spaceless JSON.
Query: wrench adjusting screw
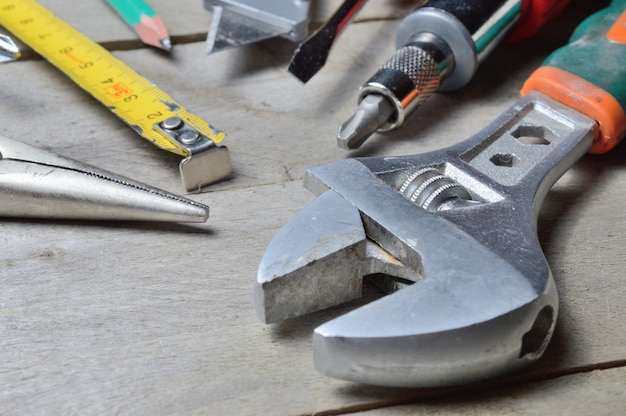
{"x":433,"y":191}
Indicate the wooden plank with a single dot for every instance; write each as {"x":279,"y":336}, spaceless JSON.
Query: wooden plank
{"x":598,"y":392}
{"x":144,"y":318}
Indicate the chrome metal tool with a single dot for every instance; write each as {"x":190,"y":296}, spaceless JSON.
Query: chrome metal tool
{"x":38,"y":184}
{"x":240,"y":22}
{"x":453,"y":232}
{"x":8,"y":49}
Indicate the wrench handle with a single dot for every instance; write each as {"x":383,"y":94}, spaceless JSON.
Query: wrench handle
{"x":589,"y":73}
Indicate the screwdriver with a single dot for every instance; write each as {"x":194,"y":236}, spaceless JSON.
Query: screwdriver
{"x":440,"y":47}
{"x":8,"y":49}
{"x":311,"y":54}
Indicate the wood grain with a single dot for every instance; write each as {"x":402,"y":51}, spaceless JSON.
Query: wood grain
{"x":103,"y":318}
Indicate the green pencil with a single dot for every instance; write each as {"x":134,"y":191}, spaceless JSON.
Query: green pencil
{"x":144,"y":20}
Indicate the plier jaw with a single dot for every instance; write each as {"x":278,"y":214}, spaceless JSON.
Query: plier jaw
{"x":35,"y":183}
{"x":460,"y":223}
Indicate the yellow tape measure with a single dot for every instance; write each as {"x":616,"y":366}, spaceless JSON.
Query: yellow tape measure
{"x":138,"y":102}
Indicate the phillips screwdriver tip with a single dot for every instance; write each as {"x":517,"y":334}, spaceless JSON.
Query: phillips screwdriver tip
{"x":166,"y":44}
{"x":8,"y":49}
{"x":373,"y":112}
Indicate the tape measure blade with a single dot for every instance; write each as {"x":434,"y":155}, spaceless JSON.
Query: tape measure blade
{"x":134,"y":99}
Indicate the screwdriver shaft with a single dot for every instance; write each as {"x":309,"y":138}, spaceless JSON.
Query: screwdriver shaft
{"x":439,"y":48}
{"x":403,"y":83}
{"x":8,"y":49}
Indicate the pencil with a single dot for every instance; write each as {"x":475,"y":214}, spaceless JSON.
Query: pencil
{"x":144,"y":21}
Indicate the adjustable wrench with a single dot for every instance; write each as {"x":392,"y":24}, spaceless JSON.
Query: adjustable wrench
{"x":453,"y":232}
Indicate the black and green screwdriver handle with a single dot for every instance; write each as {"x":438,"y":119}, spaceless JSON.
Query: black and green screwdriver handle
{"x":589,"y":74}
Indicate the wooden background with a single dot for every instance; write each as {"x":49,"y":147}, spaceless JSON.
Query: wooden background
{"x":129,"y":318}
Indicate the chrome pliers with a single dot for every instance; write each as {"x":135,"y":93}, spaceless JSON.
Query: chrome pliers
{"x":38,"y":184}
{"x":451,"y":234}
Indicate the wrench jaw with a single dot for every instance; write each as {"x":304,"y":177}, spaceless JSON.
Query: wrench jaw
{"x":476,"y":313}
{"x":455,"y":356}
{"x":470,"y":318}
{"x":313,"y":262}
{"x":318,"y":260}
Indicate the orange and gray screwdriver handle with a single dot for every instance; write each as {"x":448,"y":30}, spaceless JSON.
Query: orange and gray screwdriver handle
{"x":589,"y":74}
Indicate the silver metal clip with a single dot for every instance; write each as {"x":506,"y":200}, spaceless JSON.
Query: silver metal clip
{"x":207,"y":162}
